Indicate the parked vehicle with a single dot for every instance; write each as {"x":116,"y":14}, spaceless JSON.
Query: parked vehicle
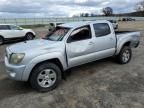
{"x":114,"y":23}
{"x":10,"y":32}
{"x":43,"y":61}
{"x":131,"y":19}
{"x":128,"y":19}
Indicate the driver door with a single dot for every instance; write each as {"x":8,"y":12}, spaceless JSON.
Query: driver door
{"x":79,"y":46}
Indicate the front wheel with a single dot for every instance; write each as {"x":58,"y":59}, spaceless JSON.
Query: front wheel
{"x":45,"y":77}
{"x":125,"y":55}
{"x":29,"y":36}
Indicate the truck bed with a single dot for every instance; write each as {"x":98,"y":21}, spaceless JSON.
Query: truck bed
{"x":132,"y":36}
{"x":128,"y":34}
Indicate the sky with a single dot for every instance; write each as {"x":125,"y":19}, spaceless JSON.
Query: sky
{"x":61,"y":8}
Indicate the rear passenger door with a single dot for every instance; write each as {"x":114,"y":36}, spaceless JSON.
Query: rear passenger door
{"x":104,"y":41}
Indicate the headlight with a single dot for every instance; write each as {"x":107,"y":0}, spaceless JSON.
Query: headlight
{"x":16,"y":58}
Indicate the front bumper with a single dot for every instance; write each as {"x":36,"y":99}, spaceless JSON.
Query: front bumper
{"x":15,"y":72}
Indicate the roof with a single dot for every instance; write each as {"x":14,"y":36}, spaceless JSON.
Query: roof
{"x":75,"y":24}
{"x":81,"y":23}
{"x":6,"y":24}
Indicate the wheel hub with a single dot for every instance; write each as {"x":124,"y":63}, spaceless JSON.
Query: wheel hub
{"x":29,"y":36}
{"x":46,"y":78}
{"x":126,"y":56}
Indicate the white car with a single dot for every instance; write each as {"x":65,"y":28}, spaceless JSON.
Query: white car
{"x":13,"y":32}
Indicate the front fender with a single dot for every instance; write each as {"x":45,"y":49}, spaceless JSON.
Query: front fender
{"x":41,"y":58}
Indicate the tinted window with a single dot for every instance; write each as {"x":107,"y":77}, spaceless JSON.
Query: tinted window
{"x":4,"y":27}
{"x":13,"y":27}
{"x":101,"y":29}
{"x":80,"y":34}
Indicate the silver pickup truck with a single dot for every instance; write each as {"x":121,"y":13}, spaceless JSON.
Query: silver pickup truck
{"x":42,"y":62}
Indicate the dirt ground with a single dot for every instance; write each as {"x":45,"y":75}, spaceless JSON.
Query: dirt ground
{"x":101,"y":84}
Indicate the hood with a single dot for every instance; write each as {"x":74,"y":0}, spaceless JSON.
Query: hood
{"x":32,"y":45}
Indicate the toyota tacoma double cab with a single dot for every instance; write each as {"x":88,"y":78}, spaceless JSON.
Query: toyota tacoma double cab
{"x":43,"y":61}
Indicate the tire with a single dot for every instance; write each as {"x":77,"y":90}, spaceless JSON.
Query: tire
{"x":45,"y":77}
{"x":1,"y":40}
{"x":29,"y":36}
{"x":125,"y":55}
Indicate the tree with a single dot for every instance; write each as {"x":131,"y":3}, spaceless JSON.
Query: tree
{"x":140,"y":6}
{"x":92,"y":15}
{"x":86,"y":14}
{"x":82,"y":15}
{"x":108,"y":11}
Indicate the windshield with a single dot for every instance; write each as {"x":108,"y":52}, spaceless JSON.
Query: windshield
{"x":57,"y":34}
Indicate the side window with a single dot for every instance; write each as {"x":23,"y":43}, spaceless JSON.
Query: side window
{"x":13,"y":27}
{"x":4,"y":27}
{"x":80,"y":34}
{"x":101,"y":29}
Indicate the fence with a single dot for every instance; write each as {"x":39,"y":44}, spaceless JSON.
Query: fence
{"x":34,"y":21}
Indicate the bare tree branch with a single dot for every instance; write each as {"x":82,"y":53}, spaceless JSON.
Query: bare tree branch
{"x":108,"y":11}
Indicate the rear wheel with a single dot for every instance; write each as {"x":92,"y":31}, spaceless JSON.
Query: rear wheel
{"x":1,"y":40}
{"x":125,"y":55}
{"x":29,"y":36}
{"x":45,"y":77}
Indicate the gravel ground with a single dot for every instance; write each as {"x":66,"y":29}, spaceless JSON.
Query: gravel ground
{"x":100,"y":84}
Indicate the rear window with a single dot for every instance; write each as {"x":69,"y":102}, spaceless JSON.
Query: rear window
{"x":4,"y":27}
{"x":101,"y":29}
